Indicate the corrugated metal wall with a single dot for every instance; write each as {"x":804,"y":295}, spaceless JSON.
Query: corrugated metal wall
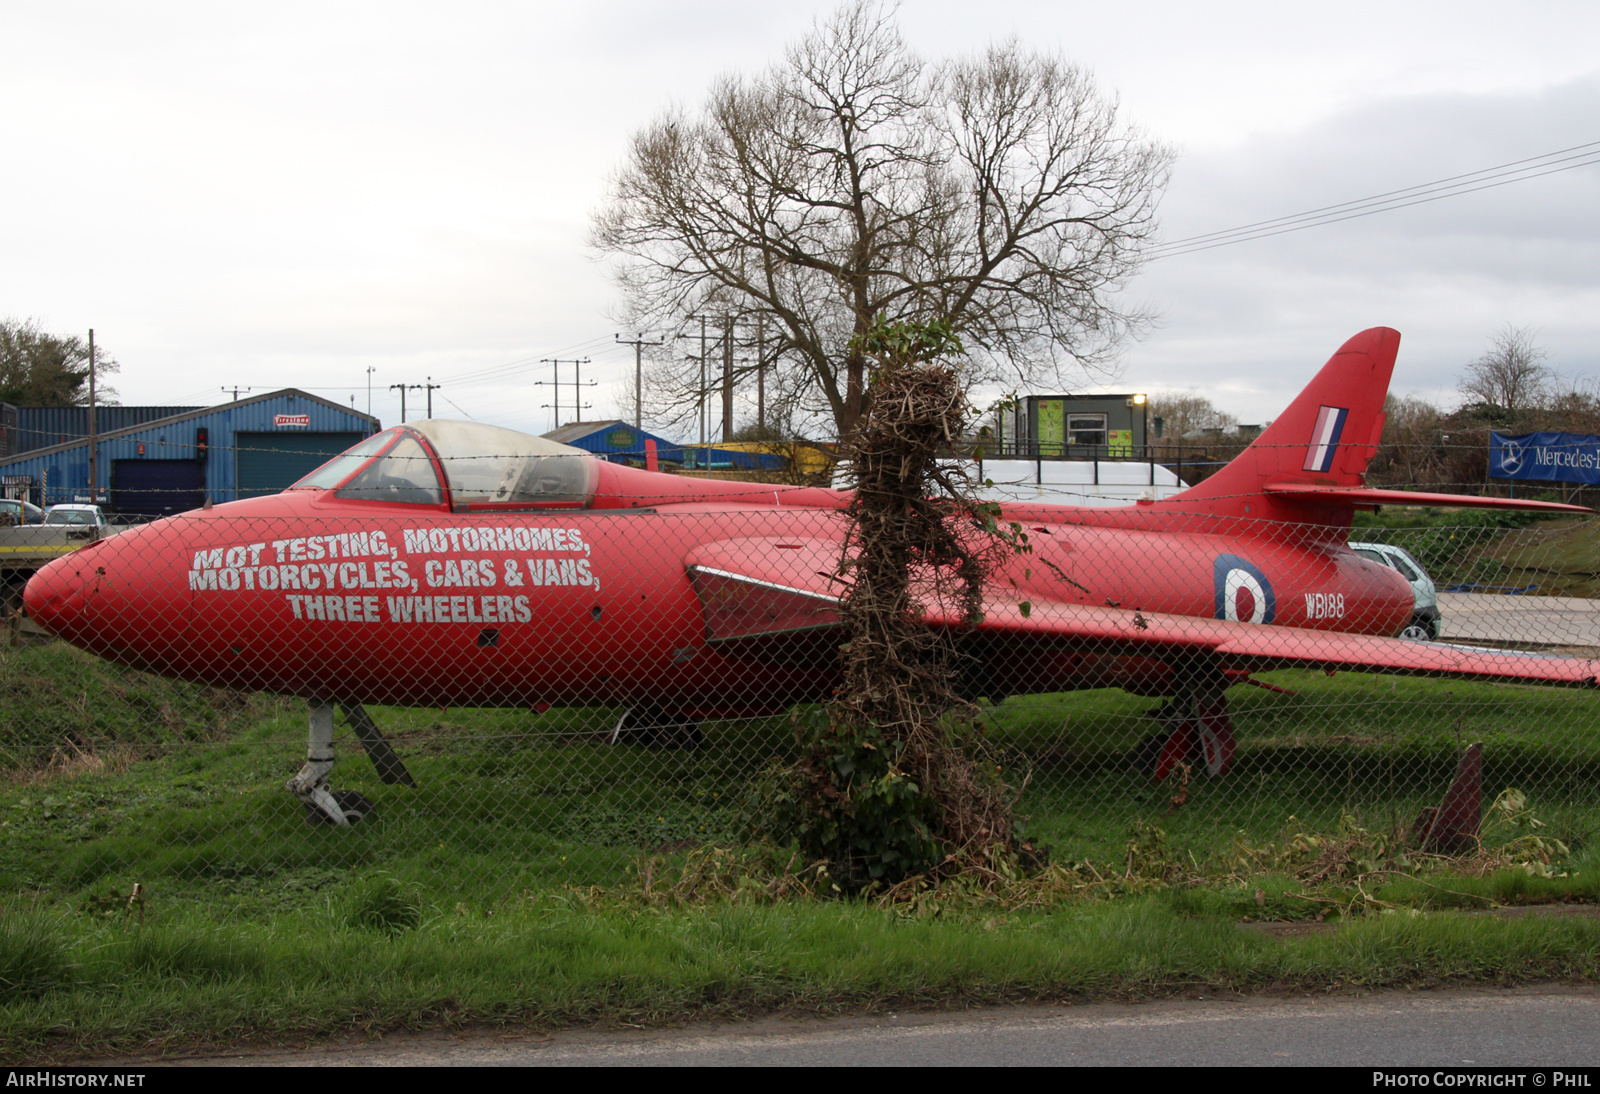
{"x":63,"y":472}
{"x":43,"y":426}
{"x":623,"y":443}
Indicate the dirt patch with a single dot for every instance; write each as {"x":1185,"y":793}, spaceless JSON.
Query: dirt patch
{"x":1288,"y":930}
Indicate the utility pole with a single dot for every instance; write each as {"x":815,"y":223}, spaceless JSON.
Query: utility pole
{"x":727,"y":378}
{"x":94,"y":438}
{"x":370,"y":370}
{"x":236,"y":391}
{"x":430,"y":385}
{"x":703,"y":445}
{"x":761,"y":375}
{"x":402,"y":389}
{"x":638,"y":345}
{"x":555,"y":381}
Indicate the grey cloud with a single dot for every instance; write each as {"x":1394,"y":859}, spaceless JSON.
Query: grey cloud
{"x":1254,"y":320}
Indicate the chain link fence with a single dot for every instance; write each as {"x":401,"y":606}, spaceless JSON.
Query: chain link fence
{"x":514,"y":701}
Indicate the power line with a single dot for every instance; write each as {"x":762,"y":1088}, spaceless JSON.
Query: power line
{"x":1565,"y":159}
{"x":492,"y":371}
{"x":452,"y":402}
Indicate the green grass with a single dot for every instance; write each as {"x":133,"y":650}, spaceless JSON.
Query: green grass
{"x":464,"y":900}
{"x":544,"y":962}
{"x":512,"y":800}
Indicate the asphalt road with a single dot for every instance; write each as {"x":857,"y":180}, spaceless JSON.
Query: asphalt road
{"x":1548,"y":1027}
{"x":1547,"y":620}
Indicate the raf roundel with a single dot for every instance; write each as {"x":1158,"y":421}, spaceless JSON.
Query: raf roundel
{"x":1243,"y":593}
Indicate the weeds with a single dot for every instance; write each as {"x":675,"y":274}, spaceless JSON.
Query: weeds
{"x":383,"y":904}
{"x":34,"y":954}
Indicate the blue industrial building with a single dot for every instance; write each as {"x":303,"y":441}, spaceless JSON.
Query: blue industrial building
{"x":233,"y":450}
{"x":619,"y":442}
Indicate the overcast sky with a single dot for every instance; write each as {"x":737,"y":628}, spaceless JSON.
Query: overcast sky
{"x":291,"y":194}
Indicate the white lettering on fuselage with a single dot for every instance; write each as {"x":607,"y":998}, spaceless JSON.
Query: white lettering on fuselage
{"x":439,"y":541}
{"x":1324,"y":605}
{"x":459,"y":609}
{"x":318,"y":574}
{"x":309,"y":575}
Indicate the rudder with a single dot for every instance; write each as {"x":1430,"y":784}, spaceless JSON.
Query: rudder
{"x":1325,"y":438}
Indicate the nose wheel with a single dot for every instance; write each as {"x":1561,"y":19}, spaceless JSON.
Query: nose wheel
{"x":323,"y":804}
{"x":353,"y":805}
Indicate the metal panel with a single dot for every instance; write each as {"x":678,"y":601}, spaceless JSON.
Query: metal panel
{"x":157,"y":486}
{"x":270,"y":462}
{"x":42,"y":426}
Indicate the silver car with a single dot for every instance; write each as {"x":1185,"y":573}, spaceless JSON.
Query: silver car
{"x":1424,"y":625}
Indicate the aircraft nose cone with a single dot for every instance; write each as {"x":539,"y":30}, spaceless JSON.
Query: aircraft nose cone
{"x":54,"y":596}
{"x":118,"y":598}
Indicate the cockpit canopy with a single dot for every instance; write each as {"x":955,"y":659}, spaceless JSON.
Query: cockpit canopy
{"x":484,"y":468}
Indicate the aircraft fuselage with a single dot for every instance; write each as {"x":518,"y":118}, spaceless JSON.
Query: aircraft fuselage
{"x":303,"y":593}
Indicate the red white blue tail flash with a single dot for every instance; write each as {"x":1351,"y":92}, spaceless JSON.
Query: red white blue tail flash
{"x":1325,"y":439}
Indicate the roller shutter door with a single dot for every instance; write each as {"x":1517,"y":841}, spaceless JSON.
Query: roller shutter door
{"x":270,"y":462}
{"x":156,"y":487}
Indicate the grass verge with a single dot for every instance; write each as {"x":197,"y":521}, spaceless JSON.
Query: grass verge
{"x":69,"y":989}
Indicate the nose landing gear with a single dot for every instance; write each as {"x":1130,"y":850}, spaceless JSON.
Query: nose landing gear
{"x":342,"y":808}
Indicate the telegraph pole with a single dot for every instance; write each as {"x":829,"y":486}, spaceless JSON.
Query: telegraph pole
{"x":638,"y":345}
{"x":703,"y":444}
{"x":370,"y":370}
{"x":236,"y":391}
{"x":402,"y":389}
{"x":94,"y":438}
{"x":430,"y":385}
{"x":555,"y":381}
{"x":761,"y":374}
{"x":727,"y":378}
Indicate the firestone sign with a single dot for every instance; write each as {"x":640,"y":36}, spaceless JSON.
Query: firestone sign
{"x":291,"y":421}
{"x":1545,"y":457}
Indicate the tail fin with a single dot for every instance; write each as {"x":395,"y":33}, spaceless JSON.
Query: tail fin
{"x":1324,"y":439}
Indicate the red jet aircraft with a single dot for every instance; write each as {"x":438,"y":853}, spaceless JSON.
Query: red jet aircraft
{"x":454,"y":563}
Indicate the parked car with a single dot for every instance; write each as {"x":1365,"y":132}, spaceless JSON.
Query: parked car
{"x":75,"y":515}
{"x":1424,"y":625}
{"x":13,"y":511}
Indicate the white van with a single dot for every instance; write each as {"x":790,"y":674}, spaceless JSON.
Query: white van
{"x":1424,"y":625}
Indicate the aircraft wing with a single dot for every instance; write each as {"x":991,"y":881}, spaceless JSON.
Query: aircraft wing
{"x":766,"y":593}
{"x":1366,"y":495}
{"x":1261,"y":646}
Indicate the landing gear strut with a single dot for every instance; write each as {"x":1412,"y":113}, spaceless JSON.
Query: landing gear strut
{"x":1198,"y":726}
{"x":323,"y":804}
{"x":310,"y":784}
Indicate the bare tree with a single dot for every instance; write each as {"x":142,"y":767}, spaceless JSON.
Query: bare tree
{"x":1512,"y":375}
{"x":1412,"y":449}
{"x":1182,"y":413}
{"x":855,"y":183}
